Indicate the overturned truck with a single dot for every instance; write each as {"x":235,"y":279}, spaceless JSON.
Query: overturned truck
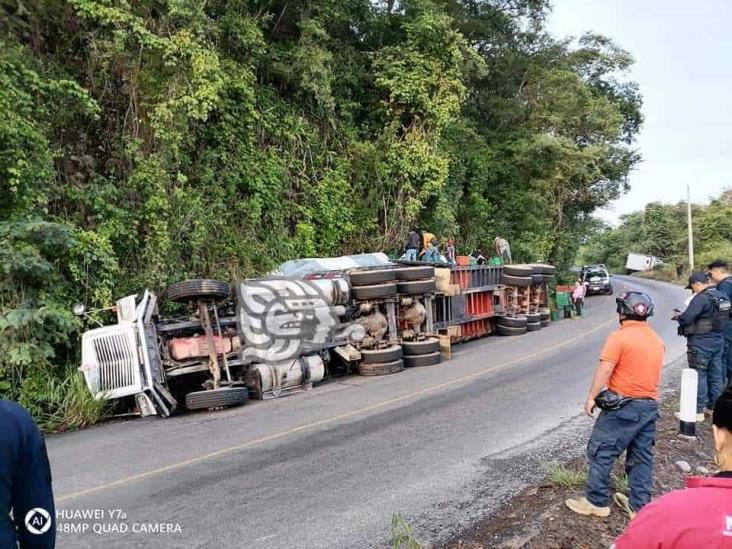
{"x":277,"y":335}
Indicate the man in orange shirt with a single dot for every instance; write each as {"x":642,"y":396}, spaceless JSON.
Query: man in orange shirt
{"x":630,"y":368}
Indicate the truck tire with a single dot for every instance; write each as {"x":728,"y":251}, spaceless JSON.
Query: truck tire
{"x":380,"y":368}
{"x":545,"y":312}
{"x":509,"y":331}
{"x":414,"y":273}
{"x":376,"y":291}
{"x":533,"y":326}
{"x":416,"y":286}
{"x":390,"y":354}
{"x":366,"y":278}
{"x":543,"y":268}
{"x":610,"y":291}
{"x":518,"y":270}
{"x":510,"y":280}
{"x":226,"y":396}
{"x":545,"y":323}
{"x":414,"y":348}
{"x":533,"y":317}
{"x":199,"y":288}
{"x":537,"y":278}
{"x":548,"y":279}
{"x":412,"y":361}
{"x":513,"y":321}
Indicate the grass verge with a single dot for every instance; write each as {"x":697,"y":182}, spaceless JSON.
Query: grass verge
{"x":402,"y":536}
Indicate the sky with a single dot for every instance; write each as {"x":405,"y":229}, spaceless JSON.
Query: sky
{"x":683,"y":65}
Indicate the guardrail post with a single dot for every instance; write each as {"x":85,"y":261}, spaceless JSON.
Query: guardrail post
{"x":687,"y":403}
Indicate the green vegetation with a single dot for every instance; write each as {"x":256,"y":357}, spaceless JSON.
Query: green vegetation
{"x":661,"y":230}
{"x":144,"y":142}
{"x":402,"y":536}
{"x":565,"y":477}
{"x":621,"y":483}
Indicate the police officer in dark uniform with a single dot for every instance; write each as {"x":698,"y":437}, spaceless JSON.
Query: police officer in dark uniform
{"x":703,"y":323}
{"x":25,"y":483}
{"x":719,"y":273}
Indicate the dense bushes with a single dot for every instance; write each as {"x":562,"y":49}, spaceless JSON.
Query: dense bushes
{"x":145,"y":142}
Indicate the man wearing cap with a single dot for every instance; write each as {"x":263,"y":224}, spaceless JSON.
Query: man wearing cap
{"x":700,"y":515}
{"x":630,"y":367}
{"x":719,"y":273}
{"x":703,"y":324}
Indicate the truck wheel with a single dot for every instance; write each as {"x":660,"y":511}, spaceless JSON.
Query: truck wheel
{"x":226,"y":396}
{"x":513,"y":321}
{"x":374,"y":292}
{"x":510,"y":280}
{"x":422,"y":360}
{"x":548,"y":279}
{"x":366,"y":278}
{"x":509,"y":331}
{"x":533,"y":317}
{"x":544,"y":268}
{"x":518,"y":270}
{"x":533,"y":326}
{"x":545,"y":323}
{"x":414,"y":348}
{"x":199,"y":288}
{"x":390,"y":354}
{"x":416,"y":287}
{"x":415,"y":273}
{"x":610,"y":291}
{"x":380,"y":368}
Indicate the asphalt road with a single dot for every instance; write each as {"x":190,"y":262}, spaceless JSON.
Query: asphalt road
{"x":440,"y":445}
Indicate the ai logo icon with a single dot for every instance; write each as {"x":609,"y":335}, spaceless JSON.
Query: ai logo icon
{"x":37,"y":521}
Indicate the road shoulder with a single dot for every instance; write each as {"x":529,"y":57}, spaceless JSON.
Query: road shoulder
{"x":536,"y":516}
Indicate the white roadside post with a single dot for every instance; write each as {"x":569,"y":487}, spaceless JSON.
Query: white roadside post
{"x":687,"y":403}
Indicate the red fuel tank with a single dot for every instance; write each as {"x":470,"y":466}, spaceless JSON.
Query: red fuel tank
{"x":183,"y":348}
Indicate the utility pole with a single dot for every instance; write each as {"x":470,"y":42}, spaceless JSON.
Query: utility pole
{"x":691,"y":231}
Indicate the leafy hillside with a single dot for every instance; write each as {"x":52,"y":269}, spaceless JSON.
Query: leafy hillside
{"x":661,"y":230}
{"x":146,"y":141}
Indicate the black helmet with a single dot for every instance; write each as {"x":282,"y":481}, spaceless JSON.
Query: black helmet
{"x":635,"y":305}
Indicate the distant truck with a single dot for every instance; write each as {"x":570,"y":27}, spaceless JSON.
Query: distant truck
{"x":641,"y":262}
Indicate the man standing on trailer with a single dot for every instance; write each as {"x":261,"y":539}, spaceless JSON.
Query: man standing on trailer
{"x":411,"y":248}
{"x":630,"y":368}
{"x":503,"y":249}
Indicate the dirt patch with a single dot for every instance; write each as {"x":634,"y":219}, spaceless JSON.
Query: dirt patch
{"x":537,"y":516}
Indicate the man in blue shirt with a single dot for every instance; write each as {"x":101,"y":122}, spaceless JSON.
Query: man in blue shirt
{"x":25,"y":483}
{"x":701,"y":324}
{"x":719,"y":273}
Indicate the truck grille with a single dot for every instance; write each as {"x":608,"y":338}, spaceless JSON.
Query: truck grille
{"x":110,"y":363}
